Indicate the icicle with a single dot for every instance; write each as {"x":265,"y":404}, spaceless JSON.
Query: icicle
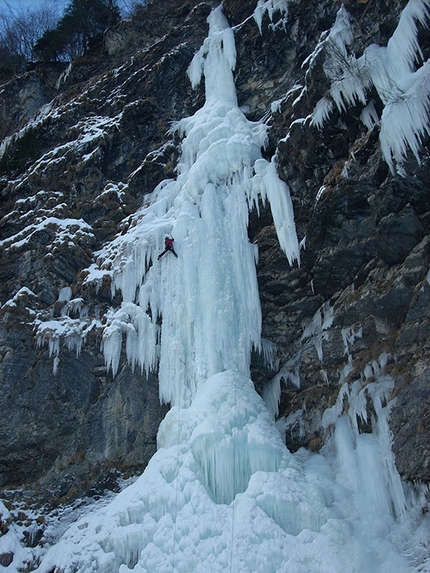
{"x":269,"y":7}
{"x":316,"y":329}
{"x":221,"y":174}
{"x":403,"y":85}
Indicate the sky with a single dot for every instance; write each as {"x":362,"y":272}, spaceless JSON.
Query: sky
{"x":30,"y":3}
{"x":17,"y":4}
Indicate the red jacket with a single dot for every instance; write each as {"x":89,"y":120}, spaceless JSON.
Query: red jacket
{"x":168,"y":242}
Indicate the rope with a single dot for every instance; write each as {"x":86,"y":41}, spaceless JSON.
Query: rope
{"x":233,"y":437}
{"x":234,"y":475}
{"x":177,"y":481}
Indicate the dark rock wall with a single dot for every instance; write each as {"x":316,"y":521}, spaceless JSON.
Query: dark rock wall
{"x":365,"y":261}
{"x":366,"y":253}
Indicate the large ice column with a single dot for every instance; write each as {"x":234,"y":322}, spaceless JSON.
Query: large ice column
{"x":207,"y":298}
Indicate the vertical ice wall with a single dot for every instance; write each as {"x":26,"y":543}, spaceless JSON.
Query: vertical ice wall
{"x":207,"y":298}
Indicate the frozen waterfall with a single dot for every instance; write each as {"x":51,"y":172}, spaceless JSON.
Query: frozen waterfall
{"x":223,"y":493}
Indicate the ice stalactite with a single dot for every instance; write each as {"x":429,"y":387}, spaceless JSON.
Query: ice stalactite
{"x":398,"y":74}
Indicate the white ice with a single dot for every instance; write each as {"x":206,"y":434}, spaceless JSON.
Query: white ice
{"x":269,"y":7}
{"x":397,"y":72}
{"x":207,"y":298}
{"x":223,"y":493}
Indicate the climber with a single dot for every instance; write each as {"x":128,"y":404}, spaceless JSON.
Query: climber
{"x":168,"y":246}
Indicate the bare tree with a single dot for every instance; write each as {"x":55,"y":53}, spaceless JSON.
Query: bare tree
{"x":130,"y":7}
{"x":20,"y":27}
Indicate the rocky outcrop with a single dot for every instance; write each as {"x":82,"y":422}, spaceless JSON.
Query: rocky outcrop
{"x":94,"y":138}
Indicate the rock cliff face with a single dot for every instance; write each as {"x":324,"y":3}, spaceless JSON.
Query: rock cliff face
{"x":82,"y":146}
